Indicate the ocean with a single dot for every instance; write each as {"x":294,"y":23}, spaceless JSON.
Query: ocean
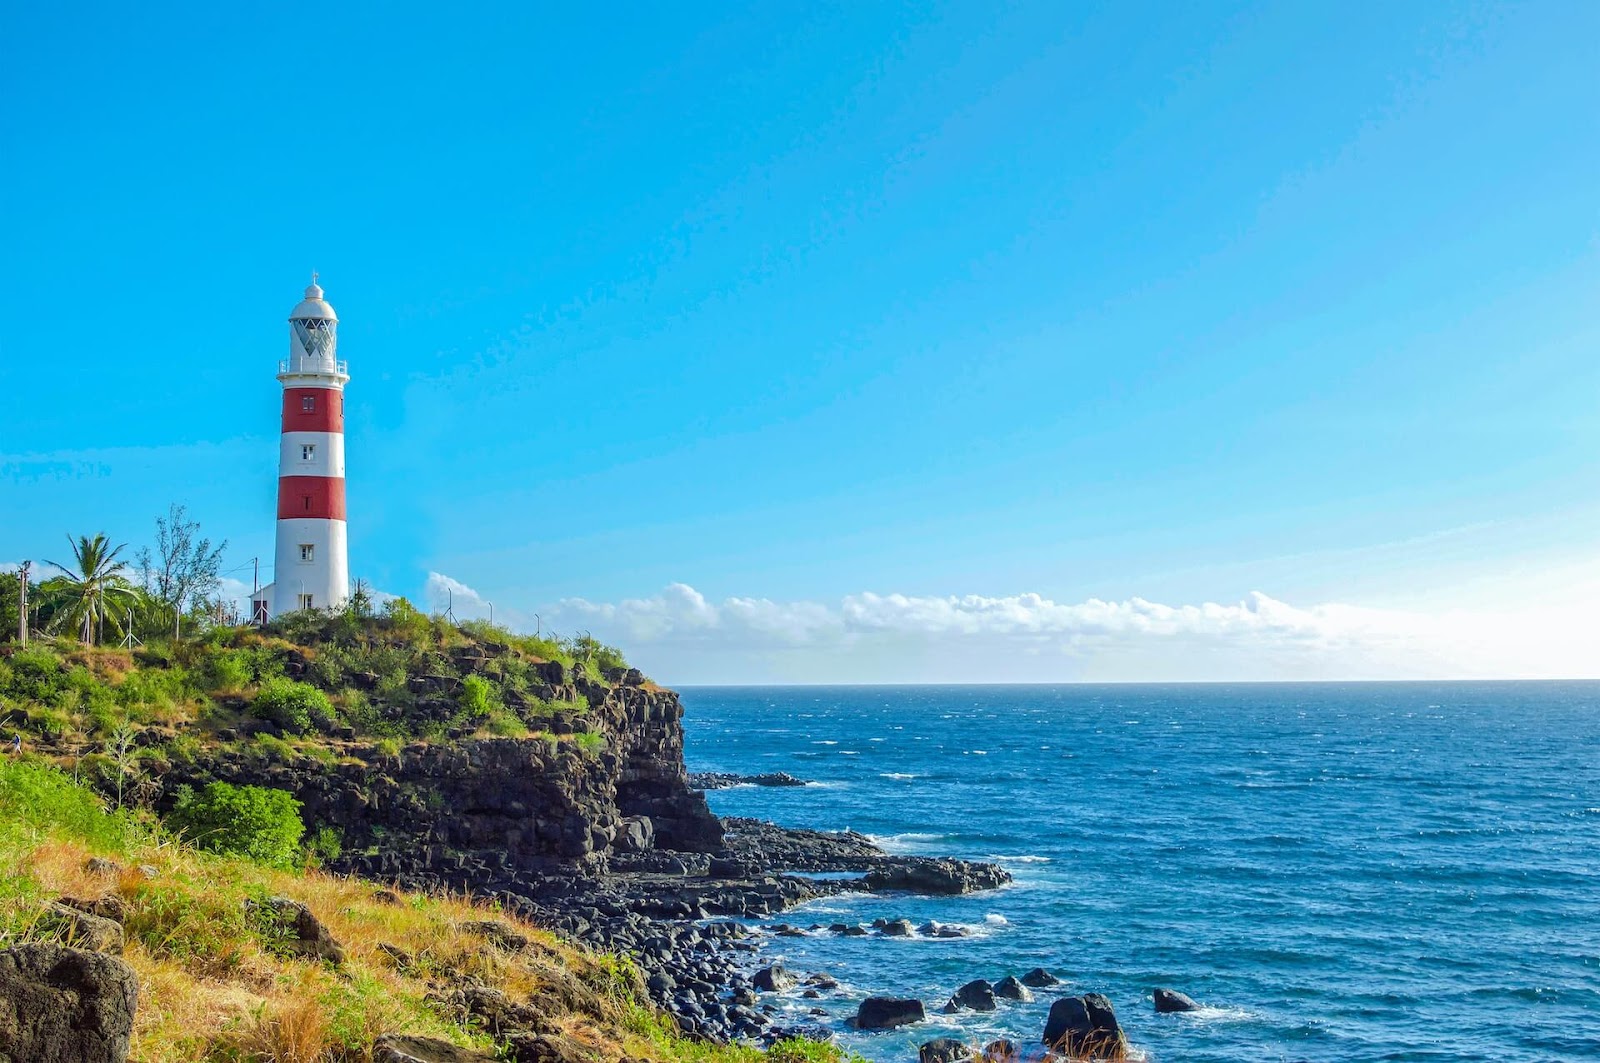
{"x":1374,"y":871}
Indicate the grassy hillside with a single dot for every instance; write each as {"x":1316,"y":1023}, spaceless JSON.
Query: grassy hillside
{"x":217,"y":983}
{"x":306,"y":681}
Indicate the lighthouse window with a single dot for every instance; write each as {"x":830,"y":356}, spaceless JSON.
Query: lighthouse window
{"x":308,"y":403}
{"x":305,"y":601}
{"x":308,"y":451}
{"x":308,"y":502}
{"x":307,"y":552}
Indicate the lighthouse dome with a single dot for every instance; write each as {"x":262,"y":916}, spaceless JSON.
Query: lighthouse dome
{"x":313,"y":307}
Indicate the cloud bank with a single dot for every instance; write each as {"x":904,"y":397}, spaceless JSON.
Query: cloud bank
{"x":681,"y":636}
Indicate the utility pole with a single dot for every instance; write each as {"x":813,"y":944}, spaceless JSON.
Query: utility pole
{"x":22,"y":603}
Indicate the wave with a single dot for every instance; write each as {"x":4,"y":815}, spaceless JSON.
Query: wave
{"x":896,"y":775}
{"x":995,"y":919}
{"x":908,"y":839}
{"x":1025,"y":858}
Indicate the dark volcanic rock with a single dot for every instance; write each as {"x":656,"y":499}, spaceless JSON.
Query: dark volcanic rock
{"x":943,"y":1050}
{"x":773,"y":979}
{"x":85,"y":930}
{"x":1011,"y":988}
{"x":497,"y":933}
{"x":394,"y":1048}
{"x":1001,"y":1051}
{"x":60,"y":1005}
{"x":305,"y":936}
{"x":1168,"y":1000}
{"x":884,"y":1013}
{"x":977,"y":995}
{"x":923,"y":874}
{"x":721,"y":780}
{"x":898,"y":928}
{"x":1085,"y":1026}
{"x":1039,"y":978}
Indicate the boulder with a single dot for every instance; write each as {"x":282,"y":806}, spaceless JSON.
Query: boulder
{"x":394,"y":1048}
{"x":1085,"y":1027}
{"x":943,"y":1050}
{"x":99,"y":865}
{"x":1168,"y":1000}
{"x":822,"y":981}
{"x":1011,"y":988}
{"x":109,"y":907}
{"x":496,"y":933}
{"x":638,"y":834}
{"x":976,"y":995}
{"x":898,"y":928}
{"x":1039,"y":978}
{"x":61,"y":1005}
{"x":303,"y":933}
{"x":83,"y":930}
{"x":885,"y":1013}
{"x":1001,"y":1051}
{"x":773,"y":979}
{"x":942,"y":877}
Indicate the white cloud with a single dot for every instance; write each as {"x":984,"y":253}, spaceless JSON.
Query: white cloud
{"x":444,"y":593}
{"x":868,"y":637}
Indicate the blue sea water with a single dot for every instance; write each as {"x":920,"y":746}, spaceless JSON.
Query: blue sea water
{"x":1405,"y":871}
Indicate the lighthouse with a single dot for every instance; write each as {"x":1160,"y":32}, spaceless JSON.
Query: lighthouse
{"x":312,"y":562}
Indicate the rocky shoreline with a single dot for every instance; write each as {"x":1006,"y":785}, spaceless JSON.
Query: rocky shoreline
{"x":680,"y":915}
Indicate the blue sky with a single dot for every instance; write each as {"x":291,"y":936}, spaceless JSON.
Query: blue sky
{"x":659,"y":310}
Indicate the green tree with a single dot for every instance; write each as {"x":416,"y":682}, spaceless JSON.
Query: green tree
{"x":185,"y":567}
{"x":256,"y":822}
{"x":10,"y":603}
{"x":95,"y":589}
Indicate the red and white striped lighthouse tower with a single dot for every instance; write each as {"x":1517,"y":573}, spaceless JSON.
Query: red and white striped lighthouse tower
{"x":312,"y":563}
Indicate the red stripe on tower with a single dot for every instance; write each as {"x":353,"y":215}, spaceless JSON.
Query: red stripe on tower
{"x":313,"y":410}
{"x":311,"y":497}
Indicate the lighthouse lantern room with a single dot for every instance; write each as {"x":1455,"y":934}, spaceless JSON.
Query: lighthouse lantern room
{"x":311,"y":563}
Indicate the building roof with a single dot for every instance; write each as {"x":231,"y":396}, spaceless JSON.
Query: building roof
{"x":313,"y":307}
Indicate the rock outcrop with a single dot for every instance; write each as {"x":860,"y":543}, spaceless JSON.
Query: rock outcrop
{"x":1170,"y":1000}
{"x":1085,"y":1027}
{"x":943,"y":1050}
{"x":885,"y":1013}
{"x":977,"y":995}
{"x":296,"y":931}
{"x":62,"y":1005}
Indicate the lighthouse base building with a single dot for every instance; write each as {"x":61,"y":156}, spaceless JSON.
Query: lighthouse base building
{"x":311,"y":562}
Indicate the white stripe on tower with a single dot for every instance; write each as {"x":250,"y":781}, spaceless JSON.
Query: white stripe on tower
{"x":311,"y":562}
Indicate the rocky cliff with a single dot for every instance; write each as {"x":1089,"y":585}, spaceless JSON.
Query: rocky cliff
{"x":493,"y":812}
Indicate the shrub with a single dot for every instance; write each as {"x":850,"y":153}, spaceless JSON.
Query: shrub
{"x":589,"y":742}
{"x":255,"y":822}
{"x":228,"y":671}
{"x":324,"y":845}
{"x":41,"y":797}
{"x":36,"y":674}
{"x":291,"y":705}
{"x":478,"y":696}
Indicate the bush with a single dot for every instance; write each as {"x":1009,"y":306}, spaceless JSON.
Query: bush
{"x":324,"y":845}
{"x":255,"y":822}
{"x":228,"y":671}
{"x":41,"y":797}
{"x":478,"y":696}
{"x":293,"y":706}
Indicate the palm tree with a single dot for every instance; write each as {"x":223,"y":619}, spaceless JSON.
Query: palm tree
{"x":96,"y":584}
